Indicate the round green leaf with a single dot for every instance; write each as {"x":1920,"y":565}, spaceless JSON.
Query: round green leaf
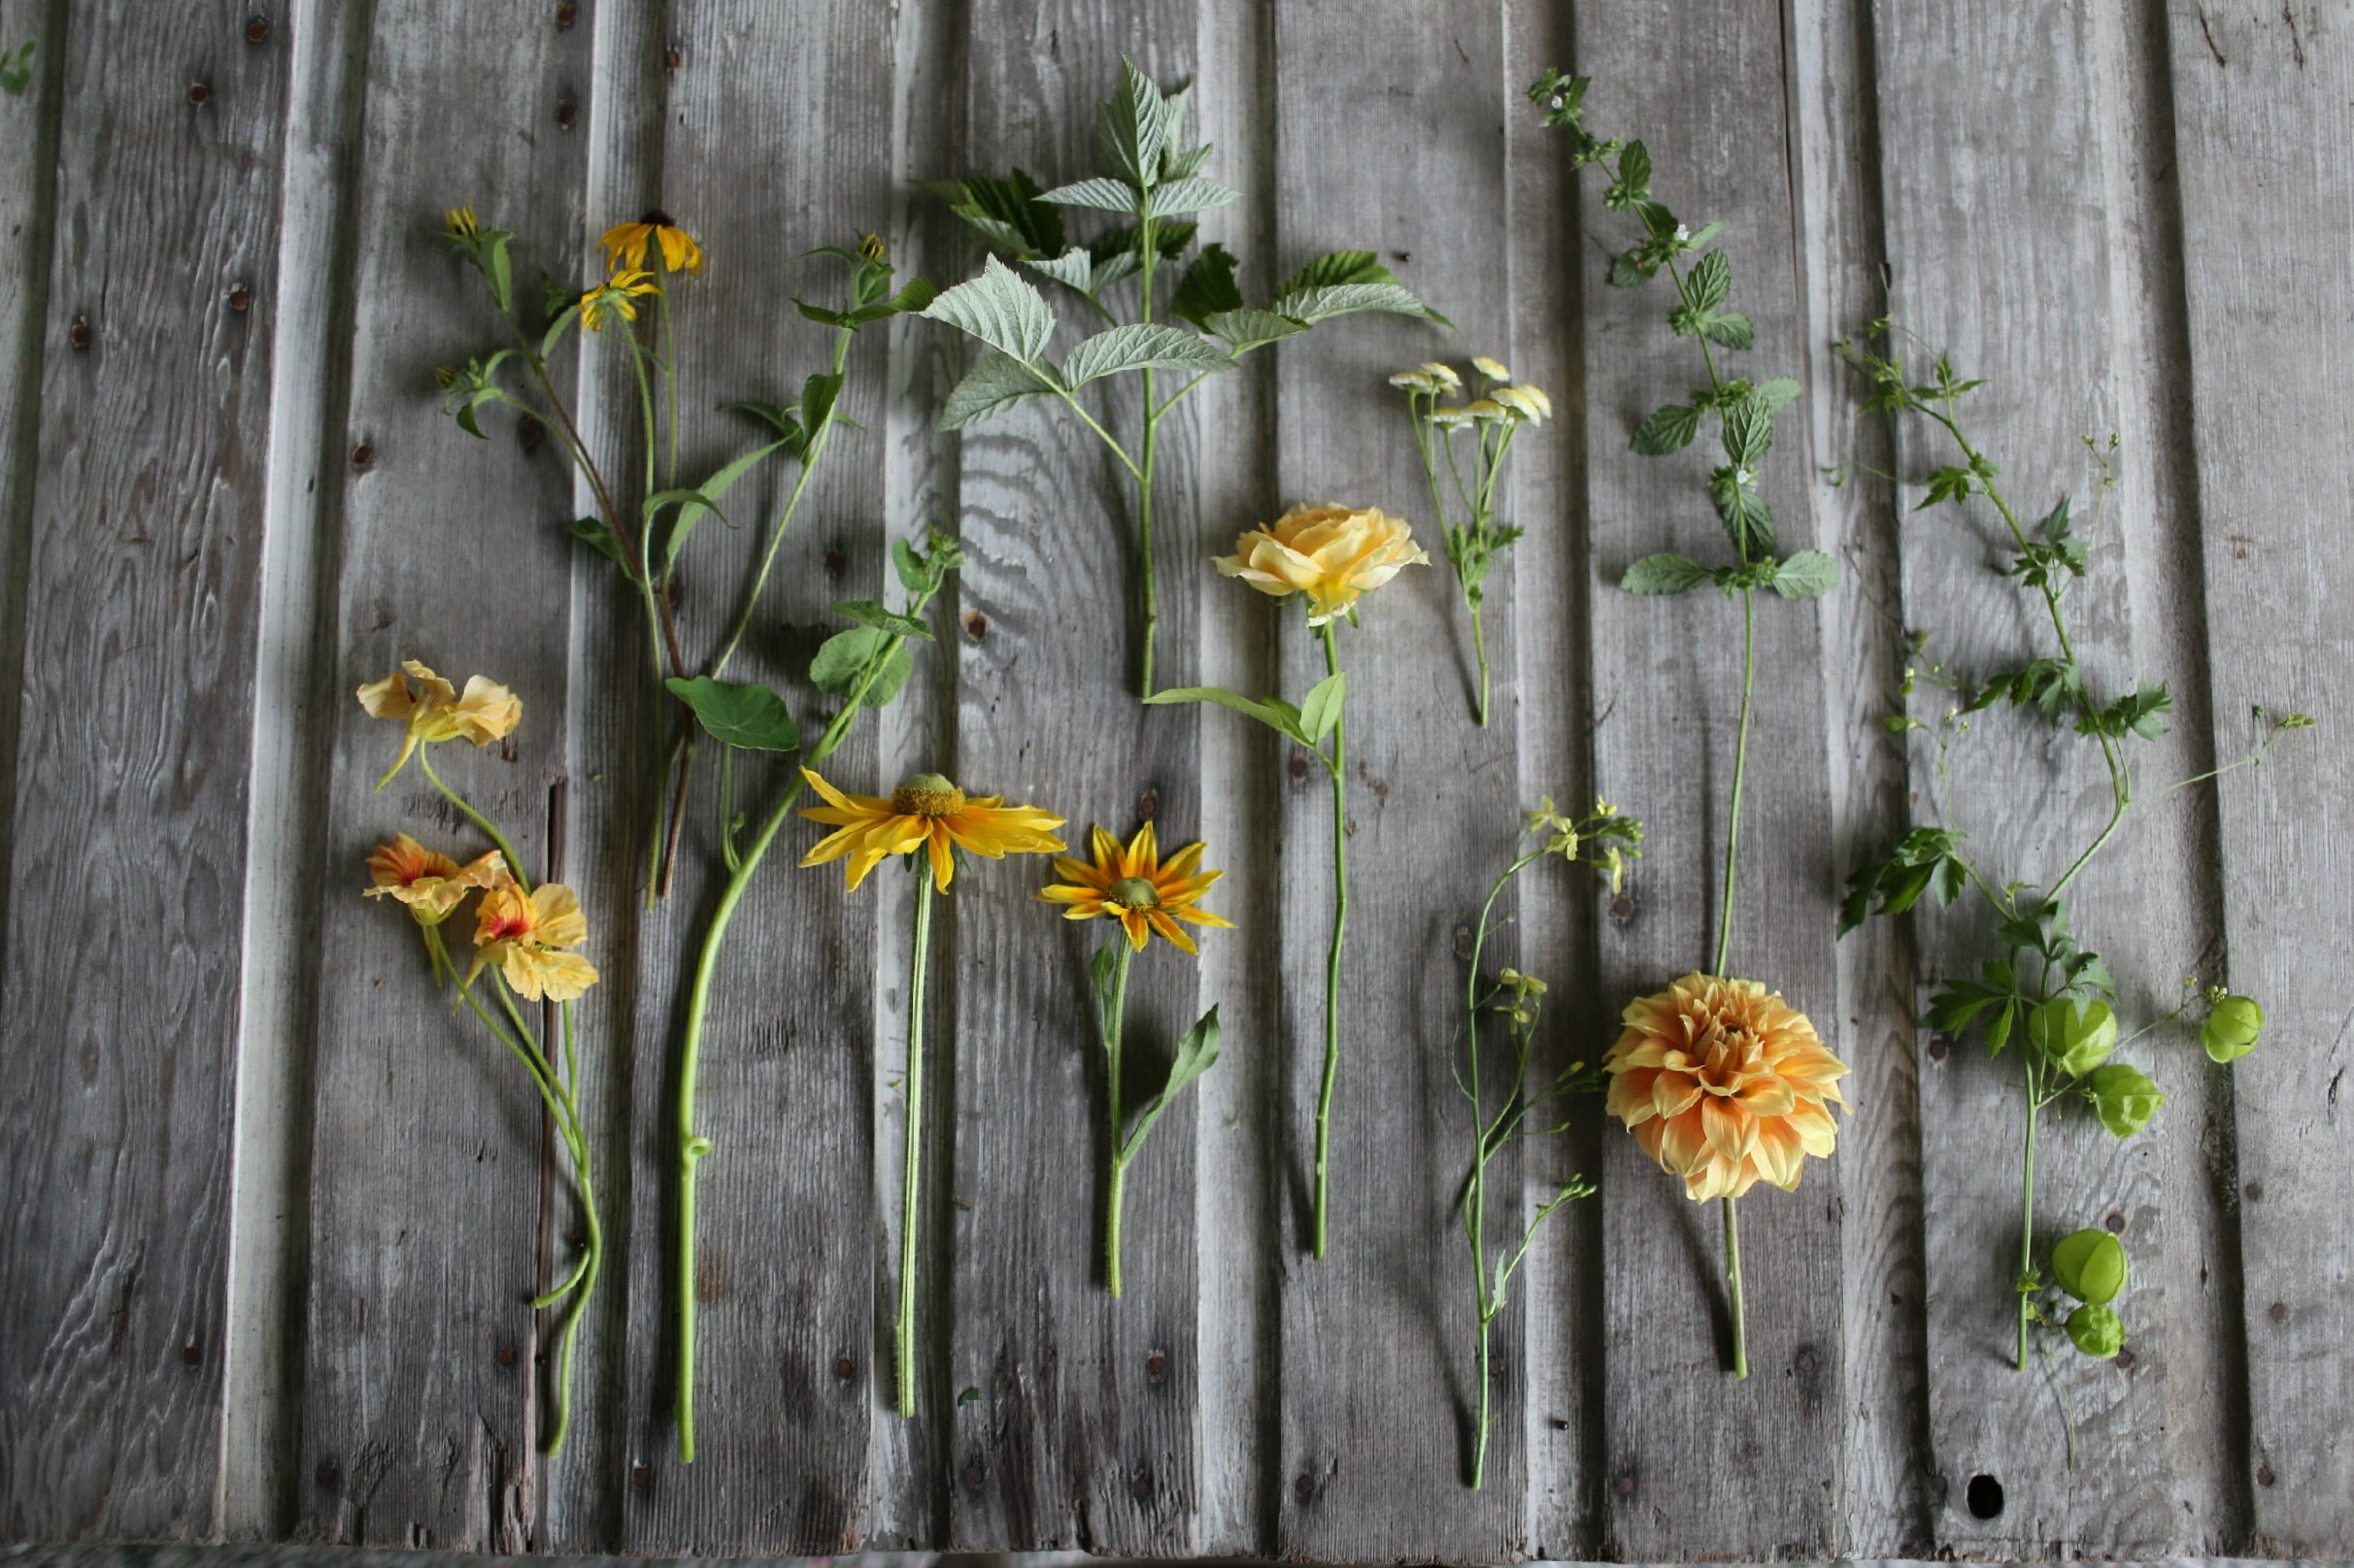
{"x":2090,"y":1265}
{"x":2124,"y":1098}
{"x":2231,"y":1030}
{"x":2096,"y":1331}
{"x":747,"y":716}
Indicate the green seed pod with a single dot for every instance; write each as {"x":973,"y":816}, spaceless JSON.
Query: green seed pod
{"x":2074,"y":1036}
{"x":2231,"y":1030}
{"x":2096,"y":1331}
{"x":2124,"y":1097}
{"x":2090,"y":1265}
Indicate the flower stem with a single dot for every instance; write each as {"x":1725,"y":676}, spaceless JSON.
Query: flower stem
{"x":1144,"y":535}
{"x":1115,"y":1193}
{"x":1732,"y":1290}
{"x":1479,"y":643}
{"x":2026,"y":1201}
{"x":908,"y":1191}
{"x":1740,"y":772}
{"x":1338,"y":766}
{"x":515,"y":864}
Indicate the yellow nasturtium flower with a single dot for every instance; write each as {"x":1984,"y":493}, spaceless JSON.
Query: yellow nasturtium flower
{"x":1135,"y":886}
{"x":434,"y":710}
{"x":1331,"y":553}
{"x":627,"y":245}
{"x":926,"y":812}
{"x":429,"y":882}
{"x":524,"y":933}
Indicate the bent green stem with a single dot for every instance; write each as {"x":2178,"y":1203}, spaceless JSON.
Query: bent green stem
{"x":1338,"y":767}
{"x":1114,"y":1191}
{"x":1732,"y":1289}
{"x":515,"y":864}
{"x":904,"y":1330}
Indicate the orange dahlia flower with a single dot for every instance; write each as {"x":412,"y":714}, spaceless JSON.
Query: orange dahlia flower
{"x":1725,"y":1085}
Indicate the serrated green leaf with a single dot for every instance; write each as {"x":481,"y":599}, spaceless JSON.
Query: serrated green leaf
{"x":1730,"y":330}
{"x":1245,"y":330}
{"x":867,"y":612}
{"x":1133,"y":125}
{"x":1321,"y":304}
{"x":1139,"y":345}
{"x":1777,"y":393}
{"x":1098,"y":195}
{"x":1337,"y":267}
{"x":1668,"y":429}
{"x":741,"y":713}
{"x":1002,"y":309}
{"x":1748,"y":433}
{"x":1207,"y":287}
{"x":990,"y":387}
{"x":1006,"y":212}
{"x":1075,"y":268}
{"x":1711,"y":281}
{"x":1666,"y":572}
{"x":1808,"y":573}
{"x":1194,"y":195}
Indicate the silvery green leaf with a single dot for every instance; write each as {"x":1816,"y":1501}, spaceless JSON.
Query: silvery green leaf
{"x":1313,"y":305}
{"x":1338,"y":267}
{"x":1664,"y":574}
{"x":1137,"y":345}
{"x":990,"y":387}
{"x":1810,"y":574}
{"x":1191,"y":195}
{"x":1245,"y":330}
{"x":1102,"y":195}
{"x":1777,"y":393}
{"x":1183,"y":165}
{"x":1135,"y":125}
{"x":1074,"y":268}
{"x":1000,"y":308}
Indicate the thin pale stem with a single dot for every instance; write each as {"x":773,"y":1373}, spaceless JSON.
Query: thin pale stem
{"x":1479,"y":643}
{"x":1740,"y":770}
{"x":1115,"y":1028}
{"x":515,"y":864}
{"x":1732,"y":1289}
{"x":1340,"y":921}
{"x":909,"y":1191}
{"x":2027,"y":1199}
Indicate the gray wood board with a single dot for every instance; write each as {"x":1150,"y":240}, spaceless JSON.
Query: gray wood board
{"x":140,"y":551}
{"x":1082,"y":1430}
{"x":2259,"y":95}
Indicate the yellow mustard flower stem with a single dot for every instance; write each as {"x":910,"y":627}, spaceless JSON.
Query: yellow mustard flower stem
{"x":515,"y":863}
{"x":1340,"y":921}
{"x":904,"y":1330}
{"x":1115,"y":1026}
{"x":1732,"y":1289}
{"x":1740,"y":773}
{"x":2027,"y":1200}
{"x":693,"y":1147}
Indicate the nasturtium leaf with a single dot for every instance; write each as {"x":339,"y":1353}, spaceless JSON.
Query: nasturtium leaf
{"x":2090,"y":1265}
{"x":2096,"y":1331}
{"x":1810,"y":574}
{"x":2232,"y":1031}
{"x":2124,"y":1097}
{"x":909,"y":566}
{"x":1001,"y":309}
{"x":1666,"y":572}
{"x":990,"y":387}
{"x":844,"y":656}
{"x":740,"y":714}
{"x":867,"y":613}
{"x":1138,"y":346}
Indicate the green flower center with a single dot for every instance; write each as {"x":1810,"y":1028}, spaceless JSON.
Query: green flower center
{"x":927,"y":794}
{"x":1133,"y":893}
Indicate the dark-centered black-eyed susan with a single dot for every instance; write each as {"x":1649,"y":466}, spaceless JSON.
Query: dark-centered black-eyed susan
{"x":926,"y":812}
{"x":628,"y":245}
{"x":1131,"y":884}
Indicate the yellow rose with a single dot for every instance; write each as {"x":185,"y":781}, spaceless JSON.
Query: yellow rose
{"x":1331,"y":553}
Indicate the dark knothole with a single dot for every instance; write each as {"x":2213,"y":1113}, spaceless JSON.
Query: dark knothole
{"x":1985,"y":1497}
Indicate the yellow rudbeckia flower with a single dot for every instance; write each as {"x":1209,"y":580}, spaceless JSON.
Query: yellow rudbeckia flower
{"x":523,"y":933}
{"x":429,"y":882}
{"x":1136,"y":888}
{"x":617,"y":295}
{"x":926,"y":812}
{"x":626,"y":245}
{"x":434,"y":710}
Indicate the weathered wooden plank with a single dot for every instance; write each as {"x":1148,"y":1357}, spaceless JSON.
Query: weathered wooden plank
{"x":1835,"y":114}
{"x":2260,"y":98}
{"x":1561,"y":915}
{"x":1238,"y":1202}
{"x":143,"y":537}
{"x":2008,"y":257}
{"x":422,"y":1391}
{"x":1379,"y":1395}
{"x":790,"y":1369}
{"x":1082,"y":1433}
{"x":1692,"y":85}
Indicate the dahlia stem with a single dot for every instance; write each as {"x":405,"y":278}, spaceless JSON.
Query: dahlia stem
{"x":1115,"y":1025}
{"x":1340,"y":922}
{"x":1732,"y":1290}
{"x":913,"y":1085}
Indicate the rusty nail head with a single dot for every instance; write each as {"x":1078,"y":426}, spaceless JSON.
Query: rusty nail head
{"x":670,"y":57}
{"x":362,"y":455}
{"x":565,"y":13}
{"x":240,"y":297}
{"x":567,"y":110}
{"x":257,"y":29}
{"x":198,"y":92}
{"x":79,"y":334}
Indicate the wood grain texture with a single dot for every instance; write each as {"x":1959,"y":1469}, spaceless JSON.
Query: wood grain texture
{"x":1083,"y":1432}
{"x":2259,"y":94}
{"x":2050,"y":356}
{"x":1399,"y":148}
{"x":119,"y":1028}
{"x":423,"y":1400}
{"x":1668,"y":676}
{"x":789,"y":1366}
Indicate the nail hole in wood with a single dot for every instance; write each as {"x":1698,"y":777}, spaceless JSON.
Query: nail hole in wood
{"x":200,"y":93}
{"x":257,"y":29}
{"x":1984,"y":1497}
